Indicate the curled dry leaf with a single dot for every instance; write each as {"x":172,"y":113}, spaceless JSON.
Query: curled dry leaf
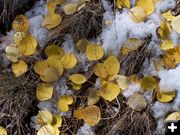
{"x":56,"y":121}
{"x":12,"y":53}
{"x":175,"y":116}
{"x":176,"y":24}
{"x":165,"y":96}
{"x":147,"y":5}
{"x":168,"y":16}
{"x":19,"y":68}
{"x":54,"y":50}
{"x":137,"y":102}
{"x":123,"y":4}
{"x":164,"y":30}
{"x":94,"y":52}
{"x":111,"y":65}
{"x":69,"y":60}
{"x":51,"y":21}
{"x":70,"y":8}
{"x":149,"y":82}
{"x":64,"y":102}
{"x":137,"y":14}
{"x":109,"y":91}
{"x":167,"y":44}
{"x":43,"y":118}
{"x":18,"y":36}
{"x":3,"y":131}
{"x":77,"y":78}
{"x":44,"y":91}
{"x":21,"y":23}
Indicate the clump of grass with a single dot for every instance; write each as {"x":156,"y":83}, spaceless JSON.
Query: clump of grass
{"x":133,"y":62}
{"x":17,"y":101}
{"x":85,"y":23}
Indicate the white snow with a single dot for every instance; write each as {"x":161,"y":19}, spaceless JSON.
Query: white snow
{"x":132,"y":88}
{"x":85,"y":130}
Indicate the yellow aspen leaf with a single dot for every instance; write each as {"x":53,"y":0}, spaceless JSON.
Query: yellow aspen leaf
{"x":70,"y":8}
{"x":168,"y":16}
{"x":50,"y":75}
{"x":149,"y":82}
{"x":165,"y":96}
{"x":109,"y":91}
{"x":18,"y":36}
{"x":12,"y":53}
{"x":169,"y":61}
{"x":122,"y":81}
{"x":177,"y":55}
{"x":51,"y":21}
{"x":57,"y":132}
{"x":69,"y":60}
{"x":91,"y":115}
{"x":59,"y":2}
{"x":43,"y":118}
{"x":100,"y":71}
{"x":64,"y":102}
{"x":164,"y":30}
{"x":46,"y":130}
{"x":123,"y":3}
{"x":133,"y":79}
{"x":56,"y":121}
{"x":112,"y":65}
{"x":77,"y":78}
{"x":147,"y":5}
{"x":137,"y":14}
{"x":19,"y":68}
{"x":175,"y":116}
{"x":21,"y":23}
{"x":54,"y":50}
{"x":130,"y":45}
{"x":51,"y":6}
{"x":27,"y":46}
{"x":44,"y":91}
{"x":76,"y":86}
{"x":82,"y":45}
{"x":137,"y":102}
{"x":3,"y":131}
{"x":93,"y":96}
{"x":55,"y":62}
{"x":78,"y":113}
{"x":167,"y":44}
{"x":40,"y":67}
{"x":94,"y":52}
{"x":176,"y":24}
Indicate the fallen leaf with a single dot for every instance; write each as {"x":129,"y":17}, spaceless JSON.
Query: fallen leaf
{"x":70,"y":8}
{"x":137,"y":14}
{"x":109,"y":91}
{"x":21,"y":23}
{"x":56,"y":121}
{"x":165,"y":96}
{"x":77,"y":78}
{"x":149,"y":82}
{"x":167,"y":44}
{"x":64,"y":102}
{"x":69,"y":60}
{"x":50,"y":75}
{"x":3,"y":131}
{"x":176,"y":24}
{"x":168,"y":16}
{"x":123,"y":4}
{"x":12,"y":53}
{"x":100,"y":71}
{"x":137,"y":102}
{"x":54,"y":50}
{"x":43,"y":118}
{"x":46,"y":130}
{"x":19,"y":68}
{"x":94,"y":52}
{"x":147,"y":5}
{"x":164,"y":30}
{"x":44,"y":91}
{"x":93,"y":96}
{"x":175,"y":116}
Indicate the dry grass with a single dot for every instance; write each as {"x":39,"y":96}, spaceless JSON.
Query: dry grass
{"x":133,"y":62}
{"x":17,"y":101}
{"x":86,"y":23}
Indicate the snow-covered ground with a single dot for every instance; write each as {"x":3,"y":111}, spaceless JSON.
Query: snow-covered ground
{"x":113,"y":37}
